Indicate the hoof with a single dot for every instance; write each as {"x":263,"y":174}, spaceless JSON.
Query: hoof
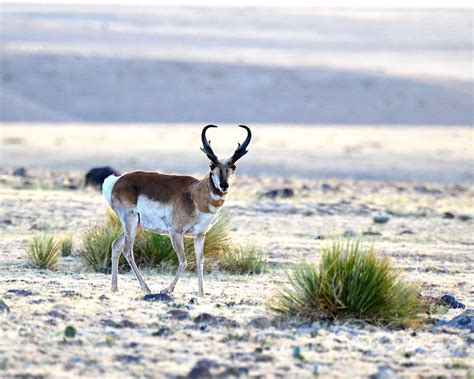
{"x":167,"y":290}
{"x":114,"y":288}
{"x":146,"y":290}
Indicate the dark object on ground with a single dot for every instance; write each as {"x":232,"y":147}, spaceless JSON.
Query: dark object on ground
{"x":157,"y":297}
{"x":21,"y":292}
{"x":208,"y":319}
{"x":20,"y":171}
{"x":283,"y":193}
{"x":406,"y":231}
{"x":448,"y":215}
{"x":260,"y":323}
{"x":4,"y":307}
{"x":179,"y":314}
{"x":202,"y":369}
{"x":126,"y":358}
{"x":464,"y":321}
{"x":118,"y":324}
{"x":70,"y":332}
{"x":380,"y":217}
{"x":450,"y":302}
{"x":464,"y":217}
{"x":371,"y":232}
{"x":96,"y":176}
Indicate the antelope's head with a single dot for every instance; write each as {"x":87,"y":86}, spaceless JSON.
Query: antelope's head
{"x":222,"y":170}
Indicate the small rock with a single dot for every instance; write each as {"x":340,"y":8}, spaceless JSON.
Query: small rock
{"x":296,"y":353}
{"x":158,"y":297}
{"x":283,"y":193}
{"x":326,"y":187}
{"x":448,"y":215}
{"x":103,"y":297}
{"x":69,"y":293}
{"x":126,"y":358}
{"x":70,"y":332}
{"x":202,"y":369}
{"x":263,"y":358}
{"x":450,"y":302}
{"x":21,"y":292}
{"x":4,"y":307}
{"x":349,"y":233}
{"x":464,"y":217}
{"x":56,"y":314}
{"x":7,"y":221}
{"x":162,"y":332}
{"x":118,"y":325}
{"x":234,"y":372}
{"x":463,"y":321}
{"x":105,"y":270}
{"x":260,"y":323}
{"x":178,"y":314}
{"x":380,"y":217}
{"x":208,"y":319}
{"x":406,"y":231}
{"x":20,"y":171}
{"x":371,"y":232}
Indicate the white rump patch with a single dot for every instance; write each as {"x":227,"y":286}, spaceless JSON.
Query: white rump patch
{"x":107,"y":187}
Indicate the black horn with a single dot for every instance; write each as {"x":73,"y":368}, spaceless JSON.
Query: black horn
{"x":206,"y":145}
{"x":241,"y":149}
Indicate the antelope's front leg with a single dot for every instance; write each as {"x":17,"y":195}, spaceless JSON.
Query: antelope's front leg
{"x":177,"y":240}
{"x":198,"y":250}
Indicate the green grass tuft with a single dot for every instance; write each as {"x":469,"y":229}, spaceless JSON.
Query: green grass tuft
{"x":243,"y":260}
{"x":350,"y":282}
{"x":65,"y":245}
{"x":43,"y":252}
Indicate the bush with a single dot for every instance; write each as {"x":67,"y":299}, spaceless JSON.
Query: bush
{"x":43,"y":252}
{"x":243,"y":260}
{"x":151,"y":249}
{"x":350,"y":281}
{"x":65,"y":245}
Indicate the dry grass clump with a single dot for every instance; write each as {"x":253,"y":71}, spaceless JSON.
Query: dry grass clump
{"x":65,"y":245}
{"x":43,"y":252}
{"x":243,"y":260}
{"x":350,"y":282}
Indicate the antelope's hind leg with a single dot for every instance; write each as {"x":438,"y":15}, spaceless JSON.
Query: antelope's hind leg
{"x":130,"y":224}
{"x":177,"y":240}
{"x":117,"y":248}
{"x":198,"y":250}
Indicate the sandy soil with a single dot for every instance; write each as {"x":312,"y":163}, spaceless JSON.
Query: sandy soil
{"x":121,"y":335}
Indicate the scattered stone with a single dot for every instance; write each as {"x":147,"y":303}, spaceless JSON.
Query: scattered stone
{"x":463,"y":321}
{"x":178,"y":314}
{"x":70,"y":332}
{"x":103,"y":297}
{"x":208,"y":319}
{"x":193,"y":301}
{"x":426,"y":190}
{"x":371,"y":232}
{"x":158,"y":297}
{"x":69,"y":293}
{"x":21,"y":292}
{"x":162,"y":332}
{"x":380,"y":217}
{"x":464,"y":217}
{"x":450,"y":302}
{"x":326,"y":187}
{"x":96,"y":176}
{"x":126,"y":358}
{"x":296,"y":353}
{"x":349,"y":233}
{"x":406,"y":231}
{"x":118,"y":325}
{"x":263,"y":358}
{"x":20,"y":171}
{"x":383,"y":372}
{"x":260,"y":323}
{"x":234,"y":372}
{"x":202,"y":369}
{"x":4,"y":307}
{"x":56,"y":314}
{"x":283,"y":193}
{"x":7,"y":221}
{"x":448,"y":215}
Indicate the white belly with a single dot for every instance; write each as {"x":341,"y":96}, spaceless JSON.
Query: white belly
{"x":154,"y":215}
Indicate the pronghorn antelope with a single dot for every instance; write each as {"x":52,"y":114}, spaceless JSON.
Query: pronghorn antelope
{"x":176,"y":205}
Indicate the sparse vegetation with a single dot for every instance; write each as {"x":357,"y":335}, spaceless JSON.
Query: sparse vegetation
{"x":243,"y":260}
{"x":351,"y":281}
{"x":65,"y":244}
{"x":43,"y":252}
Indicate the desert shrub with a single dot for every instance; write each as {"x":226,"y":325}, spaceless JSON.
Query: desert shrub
{"x":96,"y":250}
{"x":65,"y":245}
{"x":43,"y":251}
{"x":351,"y":281}
{"x":151,"y":249}
{"x":243,"y":260}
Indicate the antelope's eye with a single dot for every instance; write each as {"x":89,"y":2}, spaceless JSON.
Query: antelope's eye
{"x":232,"y":167}
{"x":213,"y":166}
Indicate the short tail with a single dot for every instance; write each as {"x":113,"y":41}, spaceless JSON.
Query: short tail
{"x":107,"y":187}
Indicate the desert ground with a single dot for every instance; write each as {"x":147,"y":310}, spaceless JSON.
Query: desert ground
{"x":355,"y":111}
{"x":120,"y":334}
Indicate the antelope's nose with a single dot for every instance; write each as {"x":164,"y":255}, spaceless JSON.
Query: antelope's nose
{"x":225,"y":186}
